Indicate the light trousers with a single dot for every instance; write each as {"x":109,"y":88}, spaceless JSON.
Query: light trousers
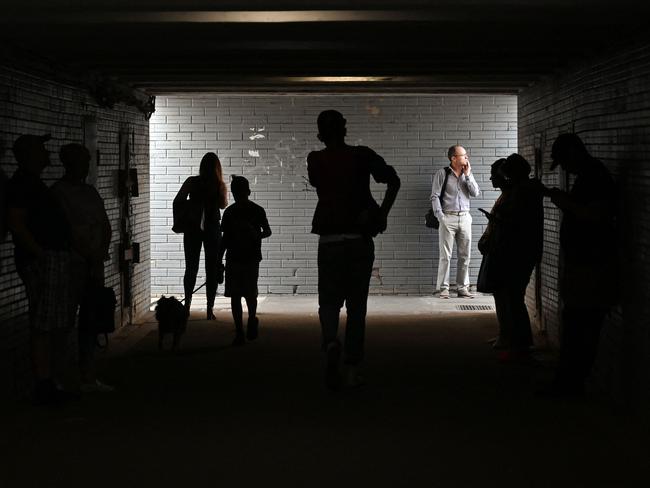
{"x":454,"y":228}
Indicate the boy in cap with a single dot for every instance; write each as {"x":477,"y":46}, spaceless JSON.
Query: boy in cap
{"x":244,"y":225}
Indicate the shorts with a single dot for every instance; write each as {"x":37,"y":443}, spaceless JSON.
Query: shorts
{"x":52,"y":291}
{"x":241,"y":278}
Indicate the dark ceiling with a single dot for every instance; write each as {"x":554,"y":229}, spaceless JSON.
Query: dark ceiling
{"x":168,"y":46}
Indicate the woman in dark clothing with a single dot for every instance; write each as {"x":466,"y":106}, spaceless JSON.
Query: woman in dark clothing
{"x":513,"y":241}
{"x":207,"y":194}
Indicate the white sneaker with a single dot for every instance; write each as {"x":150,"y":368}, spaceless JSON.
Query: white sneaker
{"x":96,"y":387}
{"x":463,"y":293}
{"x":444,"y":293}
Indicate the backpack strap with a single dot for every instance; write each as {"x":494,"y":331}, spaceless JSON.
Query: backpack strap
{"x":444,"y":184}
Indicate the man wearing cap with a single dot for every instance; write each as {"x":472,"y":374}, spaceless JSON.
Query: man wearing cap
{"x":587,"y":259}
{"x":42,"y":241}
{"x":451,"y":207}
{"x":346,"y":219}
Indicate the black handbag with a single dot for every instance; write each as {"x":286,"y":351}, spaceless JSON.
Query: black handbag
{"x":430,"y":220}
{"x":187,"y":216}
{"x":485,"y":283}
{"x":97,"y":311}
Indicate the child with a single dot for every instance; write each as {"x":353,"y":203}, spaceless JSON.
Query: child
{"x":244,"y":225}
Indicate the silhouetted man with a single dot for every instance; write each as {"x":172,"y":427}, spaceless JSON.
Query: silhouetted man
{"x":588,"y":251}
{"x":41,"y":237}
{"x":346,"y":219}
{"x":451,"y":208}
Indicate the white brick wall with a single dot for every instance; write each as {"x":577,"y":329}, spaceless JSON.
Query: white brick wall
{"x":31,"y":104}
{"x":267,"y":138}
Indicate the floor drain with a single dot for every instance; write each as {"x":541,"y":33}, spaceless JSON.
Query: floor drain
{"x":474,"y":307}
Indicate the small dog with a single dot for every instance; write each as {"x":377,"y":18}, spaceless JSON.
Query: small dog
{"x":172,"y":319}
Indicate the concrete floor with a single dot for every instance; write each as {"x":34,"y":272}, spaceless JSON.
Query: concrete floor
{"x":438,"y":410}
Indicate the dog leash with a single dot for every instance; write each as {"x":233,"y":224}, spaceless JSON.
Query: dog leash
{"x":195,"y":291}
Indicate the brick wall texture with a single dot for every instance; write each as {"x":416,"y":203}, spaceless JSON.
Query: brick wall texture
{"x":30,"y":104}
{"x":607,"y":102}
{"x":267,"y":138}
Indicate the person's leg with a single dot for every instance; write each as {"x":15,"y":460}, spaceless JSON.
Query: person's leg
{"x":359,"y":259}
{"x":503,"y":318}
{"x":237,"y":316}
{"x":569,"y":374}
{"x":44,"y":389}
{"x":86,"y":343}
{"x":211,"y":249}
{"x":192,"y":250}
{"x":61,"y":360}
{"x":446,"y":233}
{"x":253,"y":322}
{"x":463,"y":249}
{"x":522,"y":335}
{"x":331,"y":281}
{"x":592,"y":326}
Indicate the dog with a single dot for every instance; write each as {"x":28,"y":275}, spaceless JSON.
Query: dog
{"x":172,"y":317}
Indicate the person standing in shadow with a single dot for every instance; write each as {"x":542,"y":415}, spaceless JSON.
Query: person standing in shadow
{"x":91,"y":236}
{"x":41,"y":237}
{"x":244,"y":226}
{"x":346,"y":219}
{"x":513,"y":246}
{"x":207,"y":195}
{"x":588,"y":273}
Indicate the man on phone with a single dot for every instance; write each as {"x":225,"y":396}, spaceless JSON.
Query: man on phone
{"x":451,"y":207}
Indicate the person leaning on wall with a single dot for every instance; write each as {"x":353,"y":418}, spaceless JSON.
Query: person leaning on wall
{"x":91,"y":237}
{"x":42,"y":242}
{"x":588,"y":267}
{"x":450,"y":199}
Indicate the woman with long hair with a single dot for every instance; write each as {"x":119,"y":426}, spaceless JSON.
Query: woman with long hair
{"x":207,"y":194}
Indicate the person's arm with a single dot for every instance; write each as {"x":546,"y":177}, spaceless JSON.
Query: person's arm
{"x":592,"y":212}
{"x":383,"y":173}
{"x":436,"y":188}
{"x":311,"y":172}
{"x":393,"y":184}
{"x":470,"y":182}
{"x":184,"y":191}
{"x":266,"y":228}
{"x":17,"y":223}
{"x":225,"y":234}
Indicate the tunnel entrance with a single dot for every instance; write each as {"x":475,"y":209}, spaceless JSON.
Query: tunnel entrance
{"x":267,"y":138}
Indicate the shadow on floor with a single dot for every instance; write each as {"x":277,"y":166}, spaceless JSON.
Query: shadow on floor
{"x":438,"y":410}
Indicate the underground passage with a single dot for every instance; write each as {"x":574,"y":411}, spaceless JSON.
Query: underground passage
{"x":382,"y":244}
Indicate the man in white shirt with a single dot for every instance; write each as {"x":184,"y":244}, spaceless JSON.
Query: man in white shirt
{"x":451,"y":207}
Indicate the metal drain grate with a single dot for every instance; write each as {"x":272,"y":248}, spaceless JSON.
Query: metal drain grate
{"x":466,"y":308}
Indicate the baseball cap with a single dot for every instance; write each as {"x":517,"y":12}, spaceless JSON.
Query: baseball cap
{"x":29,"y":141}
